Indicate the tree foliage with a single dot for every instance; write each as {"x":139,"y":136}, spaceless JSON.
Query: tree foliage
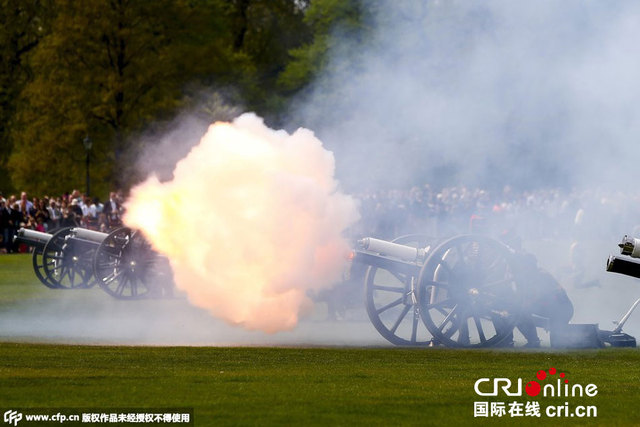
{"x":111,"y":69}
{"x":105,"y":70}
{"x":266,"y":31}
{"x":330,"y":21}
{"x":22,"y":24}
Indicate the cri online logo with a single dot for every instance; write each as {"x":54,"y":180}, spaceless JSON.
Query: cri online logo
{"x":543,"y":384}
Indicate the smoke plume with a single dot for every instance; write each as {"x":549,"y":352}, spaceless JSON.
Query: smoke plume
{"x":251,"y":222}
{"x":529,"y":94}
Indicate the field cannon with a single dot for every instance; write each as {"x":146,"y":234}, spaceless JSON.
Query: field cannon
{"x":460,"y":293}
{"x":468,"y":291}
{"x":122,"y":262}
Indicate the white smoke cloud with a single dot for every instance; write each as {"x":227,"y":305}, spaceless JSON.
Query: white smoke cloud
{"x":483,"y":93}
{"x":251,"y":222}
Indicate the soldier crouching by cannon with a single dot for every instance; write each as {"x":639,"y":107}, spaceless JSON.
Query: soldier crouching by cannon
{"x":545,"y":303}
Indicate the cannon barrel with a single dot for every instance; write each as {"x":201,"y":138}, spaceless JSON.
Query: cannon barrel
{"x":33,"y":238}
{"x":383,"y":247}
{"x":389,"y":255}
{"x":626,"y":266}
{"x":96,"y":237}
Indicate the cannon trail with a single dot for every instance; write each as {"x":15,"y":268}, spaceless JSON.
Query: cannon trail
{"x":251,"y":222}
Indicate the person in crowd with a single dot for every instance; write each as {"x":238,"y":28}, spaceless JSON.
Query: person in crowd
{"x":67,"y":215}
{"x":113,"y":211}
{"x":95,"y":210}
{"x":75,"y":194}
{"x":74,"y":207}
{"x":26,"y":206}
{"x":90,"y":214}
{"x":42,"y":212}
{"x":7,"y":218}
{"x":40,"y":224}
{"x":54,"y":215}
{"x":99,"y":207}
{"x":35,"y":203}
{"x":4,"y":226}
{"x":16,"y":220}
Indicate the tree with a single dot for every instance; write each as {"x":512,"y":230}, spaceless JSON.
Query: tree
{"x":330,"y":21}
{"x":107,"y":69}
{"x":265,"y":31}
{"x":22,"y":24}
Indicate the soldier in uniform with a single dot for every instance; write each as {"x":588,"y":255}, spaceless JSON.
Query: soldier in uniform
{"x":545,"y":302}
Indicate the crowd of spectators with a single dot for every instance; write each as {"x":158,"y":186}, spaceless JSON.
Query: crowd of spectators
{"x":439,"y":213}
{"x":532,"y":214}
{"x":48,"y":213}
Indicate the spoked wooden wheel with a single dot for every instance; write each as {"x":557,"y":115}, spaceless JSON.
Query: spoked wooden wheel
{"x":468,"y":294}
{"x":392,"y":301}
{"x":65,"y":264}
{"x":38,"y":265}
{"x":123,"y":265}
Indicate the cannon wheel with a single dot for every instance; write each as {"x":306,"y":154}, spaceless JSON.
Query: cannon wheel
{"x":122,"y":265}
{"x":62,"y":266}
{"x":468,"y":294}
{"x":38,"y":265}
{"x":391,"y":301}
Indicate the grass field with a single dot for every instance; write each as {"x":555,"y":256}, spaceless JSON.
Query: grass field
{"x":295,"y":386}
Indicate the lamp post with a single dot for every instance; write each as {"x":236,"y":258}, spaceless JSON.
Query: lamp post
{"x":88,"y":143}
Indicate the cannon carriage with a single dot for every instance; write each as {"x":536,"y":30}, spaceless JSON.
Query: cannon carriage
{"x":471,"y":291}
{"x":461,"y":292}
{"x":122,"y":262}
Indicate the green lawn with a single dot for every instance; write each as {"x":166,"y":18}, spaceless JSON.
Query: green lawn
{"x":17,"y":279}
{"x":324,"y":386}
{"x":296,"y":386}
